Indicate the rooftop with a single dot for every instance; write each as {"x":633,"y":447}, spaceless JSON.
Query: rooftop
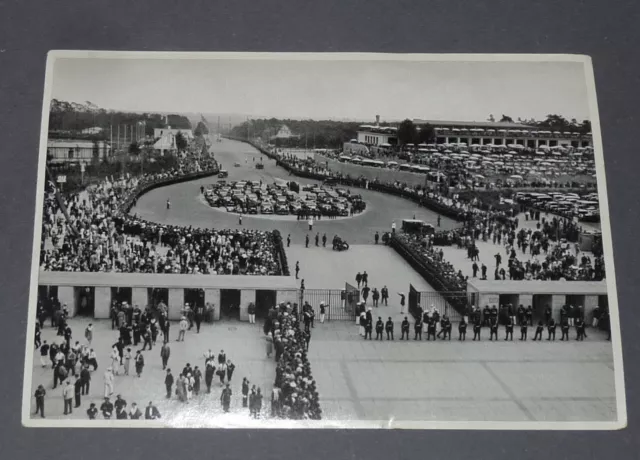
{"x":475,"y":124}
{"x":537,"y":287}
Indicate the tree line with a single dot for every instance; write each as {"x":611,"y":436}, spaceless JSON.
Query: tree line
{"x":72,"y":118}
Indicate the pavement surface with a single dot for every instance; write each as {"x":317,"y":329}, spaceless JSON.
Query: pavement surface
{"x":242,"y":342}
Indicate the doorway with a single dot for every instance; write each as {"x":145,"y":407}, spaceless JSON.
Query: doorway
{"x":156,"y":296}
{"x":265,"y":299}
{"x":540,"y":304}
{"x":85,"y":301}
{"x":121,"y":294}
{"x":45,"y":294}
{"x":195,"y":298}
{"x":230,"y":303}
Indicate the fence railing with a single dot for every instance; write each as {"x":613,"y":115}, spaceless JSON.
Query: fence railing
{"x":338,"y":307}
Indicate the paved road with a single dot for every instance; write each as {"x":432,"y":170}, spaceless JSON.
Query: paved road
{"x":187,"y":207}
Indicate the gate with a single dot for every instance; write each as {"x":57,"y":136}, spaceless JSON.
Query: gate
{"x":452,"y":304}
{"x":414,"y":301}
{"x":337,"y":306}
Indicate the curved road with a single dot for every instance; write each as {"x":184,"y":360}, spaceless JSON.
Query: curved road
{"x":189,"y":209}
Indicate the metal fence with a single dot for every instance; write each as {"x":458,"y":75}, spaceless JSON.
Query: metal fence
{"x":340,"y":304}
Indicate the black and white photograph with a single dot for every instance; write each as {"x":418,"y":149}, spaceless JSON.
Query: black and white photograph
{"x":299,"y":240}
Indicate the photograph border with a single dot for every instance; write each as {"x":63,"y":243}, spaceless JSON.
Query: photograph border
{"x":616,"y":344}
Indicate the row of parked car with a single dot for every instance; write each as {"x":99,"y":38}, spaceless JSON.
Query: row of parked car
{"x":283,"y":198}
{"x":585,"y":207}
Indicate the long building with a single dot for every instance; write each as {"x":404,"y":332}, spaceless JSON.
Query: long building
{"x":479,"y":134}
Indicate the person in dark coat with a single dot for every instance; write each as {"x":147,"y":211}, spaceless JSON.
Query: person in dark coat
{"x":477,"y":327}
{"x":151,"y":412}
{"x":92,"y":411}
{"x":523,"y":330}
{"x":245,"y":391}
{"x":431,"y":328}
{"x":209,"y":372}
{"x":106,"y":408}
{"x":493,"y":329}
{"x":165,"y":353}
{"x":417,"y":329}
{"x":139,"y":363}
{"x":230,"y":368}
{"x":77,"y":390}
{"x":389,"y":328}
{"x":379,"y":328}
{"x":39,"y":395}
{"x":462,"y":330}
{"x":168,"y":382}
{"x":551,"y":329}
{"x":120,"y":406}
{"x":539,"y":329}
{"x":509,"y":330}
{"x":225,"y":398}
{"x":404,"y":328}
{"x":564,"y":328}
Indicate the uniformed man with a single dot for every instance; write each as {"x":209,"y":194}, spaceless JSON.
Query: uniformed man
{"x":106,"y":408}
{"x":418,"y":329}
{"x":306,"y":241}
{"x":551,"y":329}
{"x":523,"y":331}
{"x":529,"y":315}
{"x":384,"y":295}
{"x":462,"y":330}
{"x":389,"y":328}
{"x":509,"y":330}
{"x":580,"y":329}
{"x":539,"y":329}
{"x":317,"y":239}
{"x":486,"y":315}
{"x":368,"y":327}
{"x":547,"y":314}
{"x":564,"y":327}
{"x":477,"y":327}
{"x":379,"y":328}
{"x":289,"y":240}
{"x":404,"y":328}
{"x":168,"y":383}
{"x":376,"y":237}
{"x":494,"y":329}
{"x":324,"y":240}
{"x":40,"y":394}
{"x":431,"y":328}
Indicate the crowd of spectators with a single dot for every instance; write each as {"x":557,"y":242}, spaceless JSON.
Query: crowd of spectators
{"x":93,"y":231}
{"x":295,"y":395}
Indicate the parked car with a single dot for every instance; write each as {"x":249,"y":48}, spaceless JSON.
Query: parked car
{"x":223,"y":173}
{"x":282,"y":209}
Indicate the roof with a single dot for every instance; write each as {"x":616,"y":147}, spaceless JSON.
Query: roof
{"x":537,"y":287}
{"x":160,"y":280}
{"x":475,"y":124}
{"x":166,"y":142}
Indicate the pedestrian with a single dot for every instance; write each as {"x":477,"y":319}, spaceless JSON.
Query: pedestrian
{"x":418,"y":329}
{"x":209,"y":371}
{"x":77,"y":391}
{"x":127,"y":360}
{"x":92,"y":411}
{"x":120,"y":407}
{"x":269,"y":344}
{"x":134,"y":412}
{"x":183,"y":328}
{"x":67,"y":396}
{"x":389,"y":328}
{"x":493,"y":330}
{"x":165,"y":353}
{"x":189,"y":383}
{"x":324,"y":240}
{"x":44,"y":353}
{"x":564,"y":328}
{"x":322,"y":312}
{"x":402,"y":302}
{"x":358,"y":279}
{"x":580,"y":329}
{"x":477,"y":327}
{"x":375,"y":297}
{"x":222,"y":372}
{"x":306,"y":240}
{"x":139,"y":363}
{"x":225,"y":398}
{"x":230,"y":368}
{"x":106,"y":408}
{"x":151,"y":412}
{"x":88,"y":333}
{"x":252,"y":313}
{"x":85,"y":377}
{"x":317,"y":239}
{"x":376,"y":237}
{"x":108,"y":382}
{"x":168,"y":383}
{"x":115,"y":360}
{"x":297,"y":268}
{"x":289,"y":240}
{"x":39,"y":395}
{"x":245,"y":391}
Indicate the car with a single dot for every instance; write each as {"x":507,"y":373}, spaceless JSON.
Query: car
{"x":294,"y":208}
{"x":230,"y":208}
{"x":252,"y":210}
{"x":260,"y":166}
{"x":281,"y":209}
{"x":223,"y":173}
{"x":267,"y":209}
{"x":236,"y":165}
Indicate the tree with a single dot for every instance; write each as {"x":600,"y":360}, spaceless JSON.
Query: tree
{"x":426,"y":134}
{"x":491,"y":118}
{"x":134,"y":148}
{"x":585,"y":127}
{"x":506,"y":119}
{"x":407,"y":132}
{"x":201,"y":129}
{"x":181,"y":141}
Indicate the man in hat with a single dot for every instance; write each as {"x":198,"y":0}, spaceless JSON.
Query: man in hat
{"x":379,"y":328}
{"x":404,"y":328}
{"x":168,"y":383}
{"x":389,"y":328}
{"x":40,"y":394}
{"x":183,"y":328}
{"x":106,"y":408}
{"x":151,"y":412}
{"x":165,"y":353}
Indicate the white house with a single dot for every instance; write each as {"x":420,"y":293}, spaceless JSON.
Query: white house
{"x":284,"y":133}
{"x":159,"y":132}
{"x":166,"y":143}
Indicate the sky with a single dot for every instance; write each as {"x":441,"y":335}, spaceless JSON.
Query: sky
{"x":327,"y":89}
